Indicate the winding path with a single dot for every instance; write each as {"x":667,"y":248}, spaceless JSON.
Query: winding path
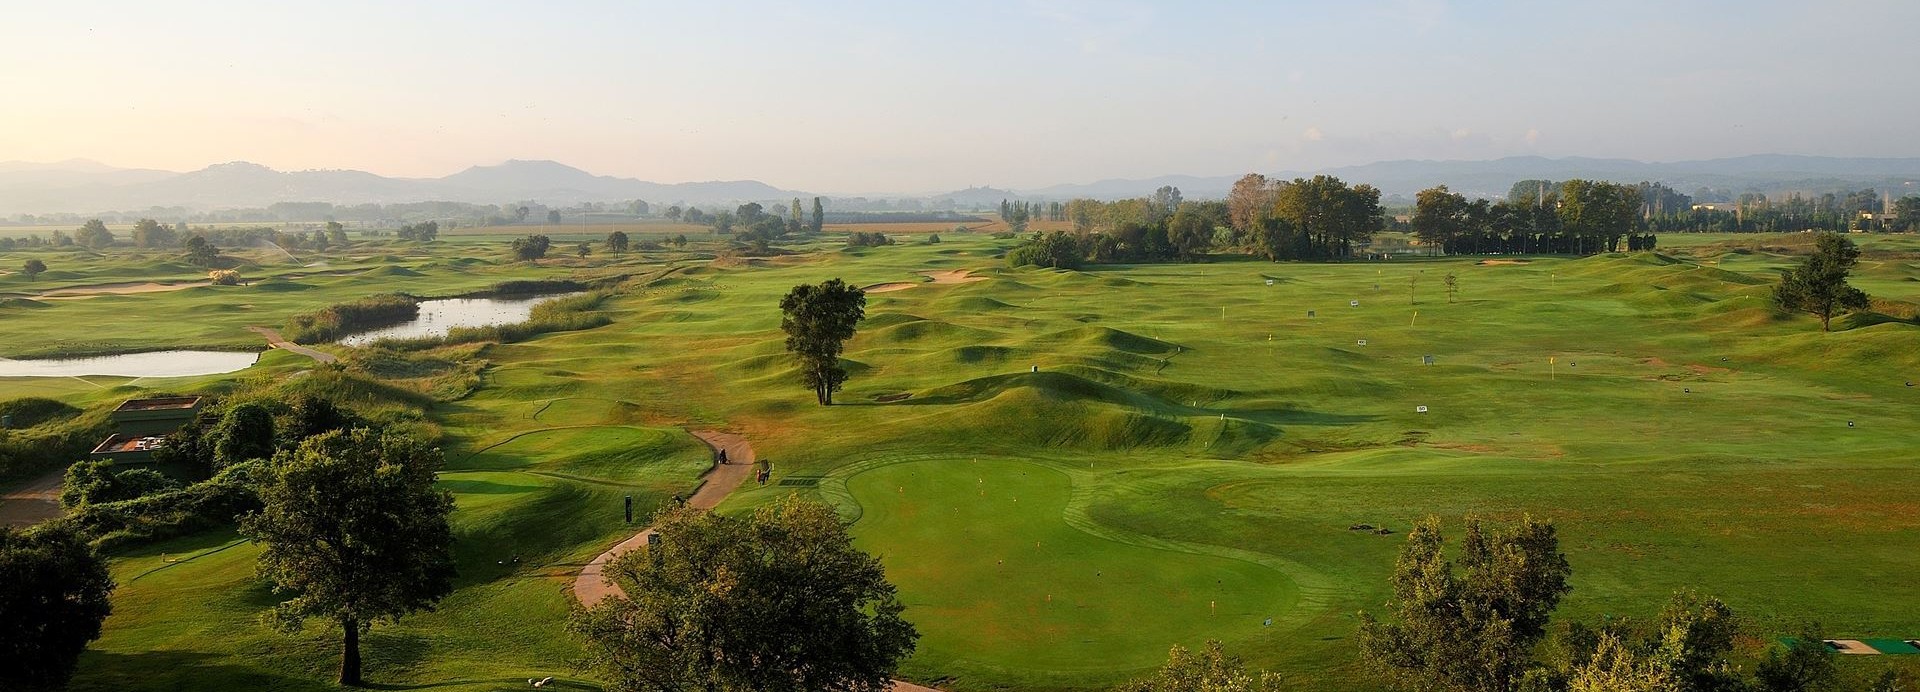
{"x":275,"y":340}
{"x":592,"y":586}
{"x":33,"y":502}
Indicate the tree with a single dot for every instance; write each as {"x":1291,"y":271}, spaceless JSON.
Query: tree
{"x":819,"y":216}
{"x":424,"y":231}
{"x":1211,"y":670}
{"x":1819,"y":285}
{"x":531,"y":248}
{"x":148,"y":233}
{"x":1439,"y":215}
{"x":1806,"y":666}
{"x":639,"y":207}
{"x":93,"y":234}
{"x":582,"y":250}
{"x":56,"y":595}
{"x":553,"y":217}
{"x":352,"y":525}
{"x":245,"y":432}
{"x":774,"y":600}
{"x":818,"y":321}
{"x":1250,"y":202}
{"x":1906,"y":214}
{"x":680,"y":240}
{"x":617,"y":242}
{"x":201,"y":253}
{"x":673,"y":212}
{"x":336,"y":233}
{"x":1453,"y":285}
{"x":33,"y":268}
{"x":1468,"y":626}
{"x":748,"y":214}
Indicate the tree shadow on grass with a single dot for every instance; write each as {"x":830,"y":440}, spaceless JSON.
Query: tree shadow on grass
{"x":182,"y":670}
{"x":557,"y":684}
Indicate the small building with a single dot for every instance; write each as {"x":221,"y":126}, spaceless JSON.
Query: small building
{"x":143,"y":417}
{"x":142,"y":425}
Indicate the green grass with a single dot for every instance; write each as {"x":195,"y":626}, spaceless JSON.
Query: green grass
{"x":1166,"y":455}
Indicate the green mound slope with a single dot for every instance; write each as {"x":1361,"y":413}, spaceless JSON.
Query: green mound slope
{"x":997,"y":579}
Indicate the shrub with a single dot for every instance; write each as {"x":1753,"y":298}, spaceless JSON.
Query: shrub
{"x":208,"y":504}
{"x":335,"y":321}
{"x":538,"y":286}
{"x":861,"y":239}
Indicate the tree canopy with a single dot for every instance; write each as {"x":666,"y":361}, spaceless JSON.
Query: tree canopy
{"x":1210,"y":670}
{"x":54,"y":593}
{"x":353,"y":527}
{"x":531,"y":248}
{"x":779,"y":599}
{"x":32,"y":268}
{"x":1470,"y":625}
{"x":1819,"y":285}
{"x":818,"y":321}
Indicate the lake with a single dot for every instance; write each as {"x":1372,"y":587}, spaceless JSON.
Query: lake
{"x":150,"y":364}
{"x":439,"y":316}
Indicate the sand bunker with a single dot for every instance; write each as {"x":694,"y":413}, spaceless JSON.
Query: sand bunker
{"x":952,"y":276}
{"x":941,"y":276}
{"x":1498,"y":262}
{"x":117,"y":289}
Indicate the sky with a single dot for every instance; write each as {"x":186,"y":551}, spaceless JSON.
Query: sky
{"x":910,"y":96}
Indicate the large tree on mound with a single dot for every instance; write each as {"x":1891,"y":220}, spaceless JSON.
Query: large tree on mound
{"x":1819,"y":285}
{"x":1470,"y":625}
{"x":53,"y":596}
{"x":775,"y":600}
{"x":354,"y":528}
{"x":818,"y":321}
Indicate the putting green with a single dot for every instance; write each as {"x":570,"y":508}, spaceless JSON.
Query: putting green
{"x":995,"y":578}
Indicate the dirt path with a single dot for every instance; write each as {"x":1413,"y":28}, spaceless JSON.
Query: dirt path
{"x":274,"y":339}
{"x":592,"y":587}
{"x":36,"y":501}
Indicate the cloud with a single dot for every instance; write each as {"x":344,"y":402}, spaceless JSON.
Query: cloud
{"x":1533,"y":136}
{"x":1313,"y":134}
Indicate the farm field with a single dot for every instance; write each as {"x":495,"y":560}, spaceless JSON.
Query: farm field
{"x":1067,"y":472}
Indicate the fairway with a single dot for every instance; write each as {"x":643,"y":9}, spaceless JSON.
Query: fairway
{"x":998,"y":580}
{"x":1191,"y":447}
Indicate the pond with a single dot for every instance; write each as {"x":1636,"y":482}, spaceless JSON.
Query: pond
{"x":439,"y":316}
{"x":150,"y":364}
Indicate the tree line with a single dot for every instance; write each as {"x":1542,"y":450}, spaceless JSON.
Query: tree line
{"x":1579,"y":217}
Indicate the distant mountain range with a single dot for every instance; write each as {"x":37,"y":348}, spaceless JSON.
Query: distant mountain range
{"x":88,"y":186}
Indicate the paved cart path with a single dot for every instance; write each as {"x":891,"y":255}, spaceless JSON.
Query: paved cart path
{"x":275,"y":340}
{"x":592,"y":587}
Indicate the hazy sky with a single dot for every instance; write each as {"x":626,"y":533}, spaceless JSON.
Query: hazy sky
{"x":924,"y":96}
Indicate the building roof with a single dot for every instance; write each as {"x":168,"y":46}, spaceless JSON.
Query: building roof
{"x":159,"y":404}
{"x":116,"y":444}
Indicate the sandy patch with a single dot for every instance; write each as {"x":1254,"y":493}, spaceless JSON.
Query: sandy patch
{"x":1499,"y":262}
{"x":1852,"y":647}
{"x":934,"y":276}
{"x":952,"y":276}
{"x":117,"y":289}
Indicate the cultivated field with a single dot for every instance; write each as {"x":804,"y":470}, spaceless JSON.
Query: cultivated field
{"x":1068,"y":472}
